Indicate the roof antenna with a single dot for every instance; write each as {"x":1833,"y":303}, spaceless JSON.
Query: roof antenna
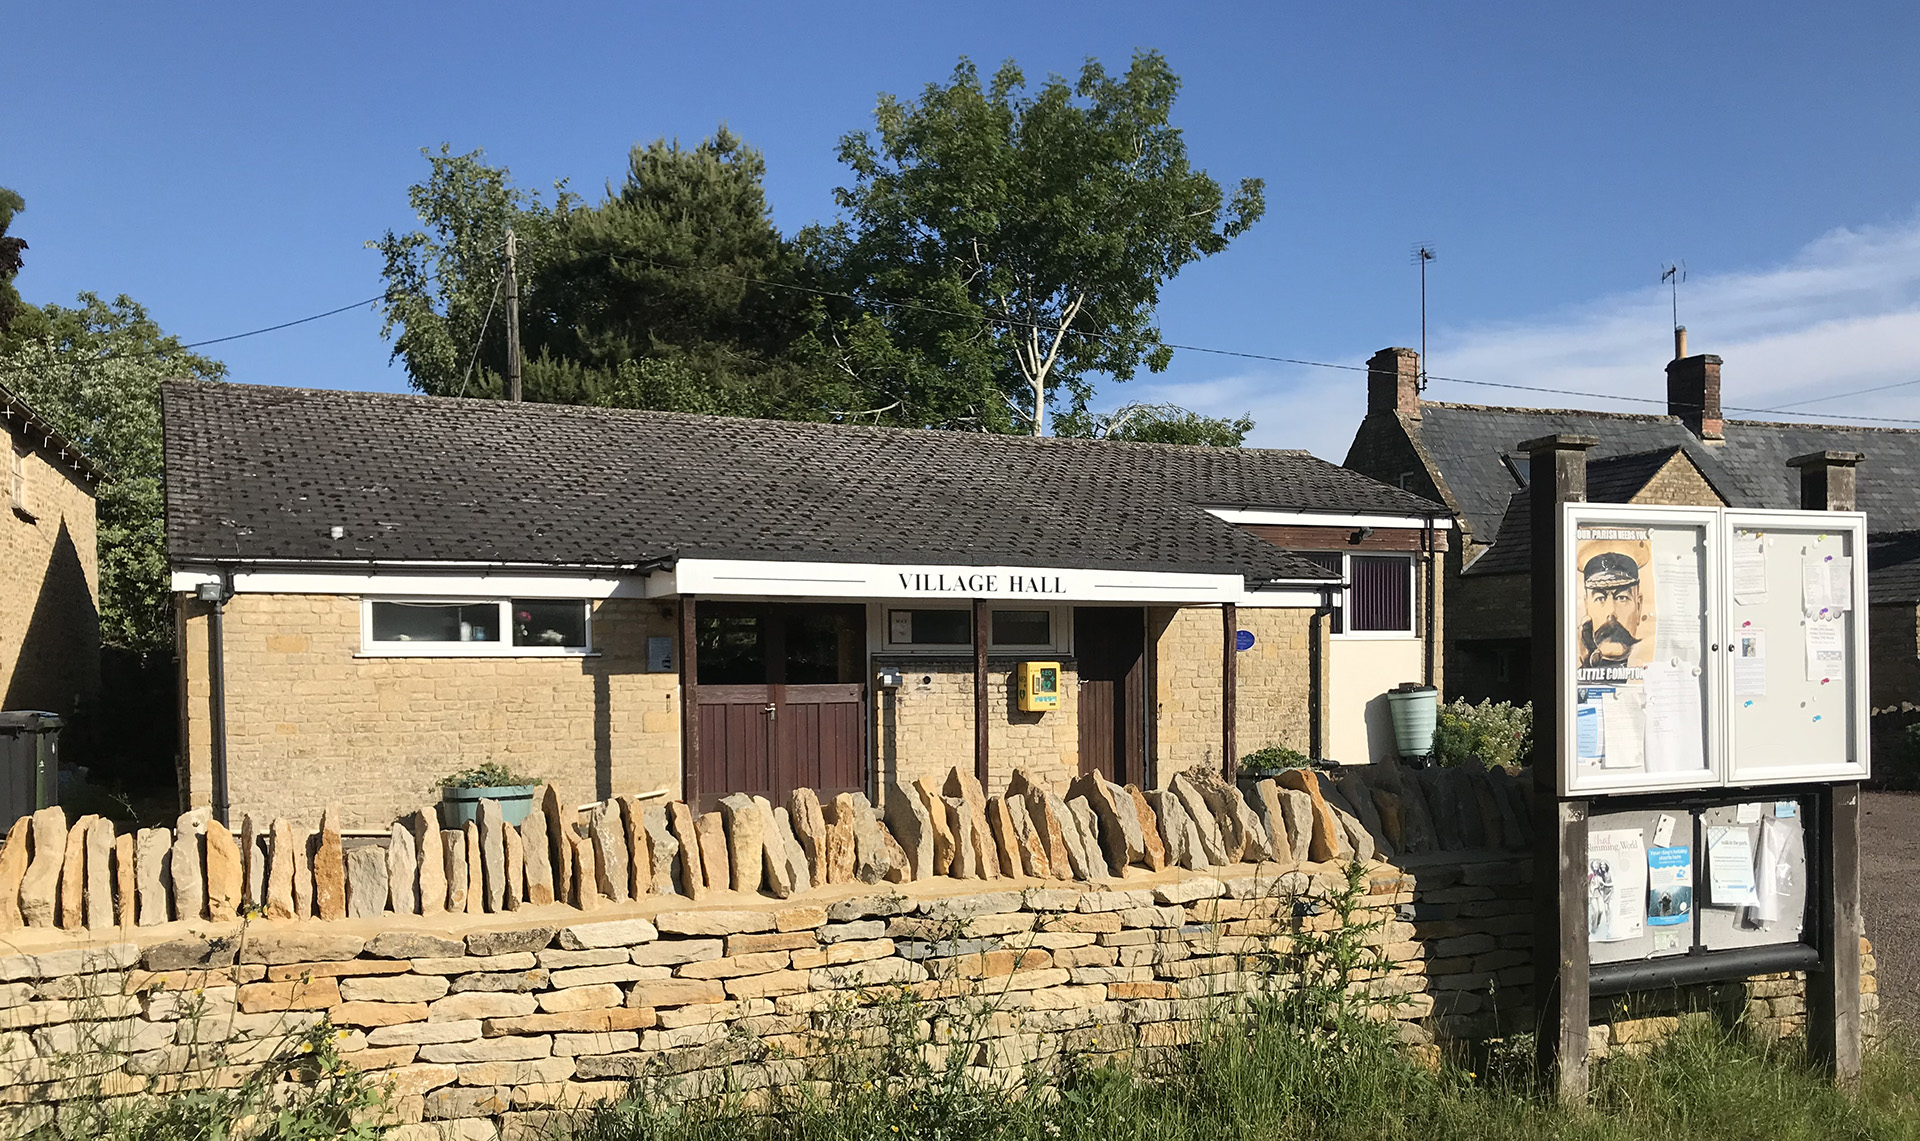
{"x":1671,"y":275}
{"x":1423,"y":252}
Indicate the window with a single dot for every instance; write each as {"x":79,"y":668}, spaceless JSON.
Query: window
{"x":1519,"y":467}
{"x":1379,"y":594}
{"x":1023,"y":627}
{"x":515,"y":626}
{"x":18,"y":470}
{"x":930,"y":627}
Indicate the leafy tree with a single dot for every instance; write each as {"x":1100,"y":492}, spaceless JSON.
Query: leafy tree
{"x":444,"y":283}
{"x":95,"y":370}
{"x":1155,"y":424}
{"x":1018,"y":242}
{"x":10,"y":261}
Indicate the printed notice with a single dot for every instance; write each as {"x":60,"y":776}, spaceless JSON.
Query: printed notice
{"x":1750,"y":663}
{"x":1730,"y":867}
{"x":1840,"y":583}
{"x":1749,"y":569}
{"x":1826,"y":648}
{"x":1623,"y":725}
{"x":1776,"y":868}
{"x":1587,"y":732}
{"x":1676,"y":582}
{"x":1616,"y":885}
{"x":1669,"y":886}
{"x":1673,"y":726}
{"x":1816,"y":585}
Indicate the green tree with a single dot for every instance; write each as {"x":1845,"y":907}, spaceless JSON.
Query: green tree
{"x":1019,"y":242}
{"x":10,"y":260}
{"x":444,"y":282}
{"x":95,"y":369}
{"x":1155,"y":424}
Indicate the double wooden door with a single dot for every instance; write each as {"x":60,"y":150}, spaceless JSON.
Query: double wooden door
{"x":781,"y":698}
{"x":1109,"y":643}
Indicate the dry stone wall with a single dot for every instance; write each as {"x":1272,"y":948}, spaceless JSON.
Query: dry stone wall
{"x":529,"y":969}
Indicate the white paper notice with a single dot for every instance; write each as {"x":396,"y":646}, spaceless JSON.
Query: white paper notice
{"x":1730,"y":867}
{"x":1826,"y":648}
{"x":1775,"y":877}
{"x":1624,"y":725}
{"x":1749,"y":569}
{"x":1676,"y":632}
{"x":1616,"y":885}
{"x":1816,"y":591}
{"x":1840,"y":583}
{"x":1750,"y":663}
{"x":1673,"y":720}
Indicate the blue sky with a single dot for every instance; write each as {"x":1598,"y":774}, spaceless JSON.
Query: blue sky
{"x":225,"y":164}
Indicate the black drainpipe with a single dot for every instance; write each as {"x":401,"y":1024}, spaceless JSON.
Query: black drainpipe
{"x":1432,"y":589}
{"x":1316,"y":679}
{"x":216,"y":595}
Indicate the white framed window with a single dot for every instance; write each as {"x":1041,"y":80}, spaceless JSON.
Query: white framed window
{"x":1016,"y":628}
{"x":1377,"y":601}
{"x":475,"y":627}
{"x":17,"y":472}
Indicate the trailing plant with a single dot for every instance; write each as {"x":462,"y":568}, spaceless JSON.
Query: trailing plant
{"x":490,"y":775}
{"x":1270,"y":760}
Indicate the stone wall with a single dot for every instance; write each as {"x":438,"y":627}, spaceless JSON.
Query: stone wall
{"x":49,"y":589}
{"x":1274,"y":689}
{"x":309,"y":721}
{"x":1186,"y":700}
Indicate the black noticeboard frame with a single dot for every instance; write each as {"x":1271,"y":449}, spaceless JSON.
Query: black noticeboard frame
{"x":1700,"y":964}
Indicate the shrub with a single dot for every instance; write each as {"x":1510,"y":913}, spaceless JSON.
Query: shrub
{"x":489,"y":775}
{"x":1488,"y":734}
{"x":1270,"y":760}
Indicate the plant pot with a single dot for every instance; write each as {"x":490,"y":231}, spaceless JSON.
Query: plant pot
{"x":459,"y":805}
{"x":1416,"y":714}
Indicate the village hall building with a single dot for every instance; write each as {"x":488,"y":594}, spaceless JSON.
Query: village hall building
{"x":375,"y":591}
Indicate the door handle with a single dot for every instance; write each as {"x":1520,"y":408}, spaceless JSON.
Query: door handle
{"x":772,"y":711}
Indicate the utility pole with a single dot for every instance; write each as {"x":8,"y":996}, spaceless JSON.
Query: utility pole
{"x":513,"y":320}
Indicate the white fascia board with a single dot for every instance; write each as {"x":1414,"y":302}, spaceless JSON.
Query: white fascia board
{"x":416,"y":584}
{"x":1255,"y":516}
{"x":755,"y":578}
{"x":1274,"y":599}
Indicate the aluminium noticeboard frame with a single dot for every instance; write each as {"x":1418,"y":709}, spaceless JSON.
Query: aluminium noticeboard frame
{"x":1722,"y":769}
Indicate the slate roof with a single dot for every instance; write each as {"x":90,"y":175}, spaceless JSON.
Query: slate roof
{"x":259,"y":473}
{"x":1610,"y":479}
{"x":1749,"y":469}
{"x":1893,"y":567}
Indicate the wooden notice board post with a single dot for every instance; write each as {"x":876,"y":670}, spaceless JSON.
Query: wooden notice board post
{"x":1557,"y":474}
{"x":1833,"y":988}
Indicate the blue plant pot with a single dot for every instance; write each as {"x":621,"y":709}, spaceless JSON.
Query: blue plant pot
{"x":459,"y":805}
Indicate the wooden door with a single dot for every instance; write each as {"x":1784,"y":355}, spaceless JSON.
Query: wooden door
{"x":782,"y":699}
{"x":1109,"y":644}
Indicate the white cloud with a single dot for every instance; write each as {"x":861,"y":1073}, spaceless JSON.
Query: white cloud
{"x":1842,"y":315}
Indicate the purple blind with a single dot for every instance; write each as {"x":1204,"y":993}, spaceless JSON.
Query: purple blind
{"x":1381,"y":595}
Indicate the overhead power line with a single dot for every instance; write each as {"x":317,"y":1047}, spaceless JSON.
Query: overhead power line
{"x":1009,"y":321}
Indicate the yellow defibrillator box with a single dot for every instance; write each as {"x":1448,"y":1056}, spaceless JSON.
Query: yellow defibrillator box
{"x":1039,"y":686}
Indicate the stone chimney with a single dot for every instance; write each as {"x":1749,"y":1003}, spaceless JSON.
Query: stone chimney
{"x":1693,"y":393}
{"x":1393,"y":382}
{"x":1826,"y":480}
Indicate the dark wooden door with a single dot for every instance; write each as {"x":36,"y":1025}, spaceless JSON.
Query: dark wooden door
{"x":1109,"y":643}
{"x":782,"y":699}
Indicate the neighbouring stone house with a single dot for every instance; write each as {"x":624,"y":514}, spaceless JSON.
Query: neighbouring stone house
{"x":49,"y":577}
{"x":1468,"y":456}
{"x":376,"y":590}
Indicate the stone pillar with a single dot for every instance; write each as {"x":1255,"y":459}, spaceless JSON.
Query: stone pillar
{"x":1558,"y":469}
{"x":1827,"y":480}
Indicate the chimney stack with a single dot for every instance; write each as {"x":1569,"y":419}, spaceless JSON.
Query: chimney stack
{"x":1826,"y":480}
{"x":1393,"y":382}
{"x":1693,"y":392}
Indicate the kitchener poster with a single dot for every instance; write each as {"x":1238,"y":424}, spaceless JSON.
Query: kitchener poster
{"x":1616,"y":614}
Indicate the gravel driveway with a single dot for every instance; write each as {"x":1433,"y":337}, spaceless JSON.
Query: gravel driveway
{"x":1890,"y":899}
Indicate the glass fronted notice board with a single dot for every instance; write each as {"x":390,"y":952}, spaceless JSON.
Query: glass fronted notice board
{"x":1701,"y":648}
{"x":1695,"y":879}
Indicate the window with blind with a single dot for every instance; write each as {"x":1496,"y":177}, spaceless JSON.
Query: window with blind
{"x":1379,"y":594}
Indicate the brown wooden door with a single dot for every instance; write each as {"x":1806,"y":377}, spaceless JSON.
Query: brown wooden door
{"x":782,"y":699}
{"x":1109,"y":643}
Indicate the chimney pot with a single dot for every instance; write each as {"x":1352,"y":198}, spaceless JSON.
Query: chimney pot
{"x":1393,"y":382}
{"x":1679,"y":342}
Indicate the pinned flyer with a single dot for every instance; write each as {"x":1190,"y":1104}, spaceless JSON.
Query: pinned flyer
{"x":1826,"y":649}
{"x":1616,"y":885}
{"x":1669,"y":886}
